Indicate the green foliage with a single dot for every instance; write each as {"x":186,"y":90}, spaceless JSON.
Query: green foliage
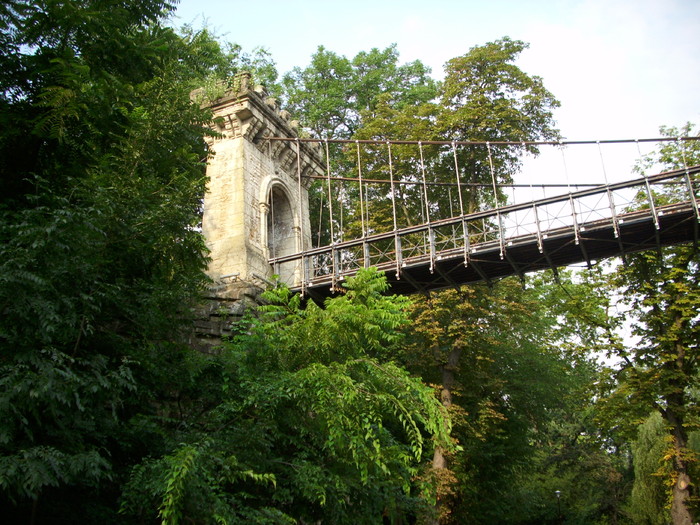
{"x":224,"y":60}
{"x":647,"y":503}
{"x":660,"y":298}
{"x":194,"y":481}
{"x":676,"y":154}
{"x":362,"y":322}
{"x":309,"y":413}
{"x":101,"y":176}
{"x":514,"y":366}
{"x":331,"y":94}
{"x":486,"y":97}
{"x":180,"y":467}
{"x":309,"y":422}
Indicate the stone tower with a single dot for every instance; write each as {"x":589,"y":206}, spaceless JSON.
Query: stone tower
{"x":257,"y":204}
{"x":256,"y":207}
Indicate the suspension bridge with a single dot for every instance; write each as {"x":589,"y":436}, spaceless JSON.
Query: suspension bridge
{"x":435,"y":214}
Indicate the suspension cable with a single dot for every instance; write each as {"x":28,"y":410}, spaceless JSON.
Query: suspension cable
{"x":320,"y":221}
{"x":566,"y":167}
{"x":639,"y":150}
{"x":393,"y":192}
{"x":330,"y":198}
{"x":689,"y":182}
{"x":493,"y":176}
{"x":302,"y":277}
{"x":362,"y":199}
{"x":498,"y":211}
{"x":397,"y":239}
{"x":650,"y":194}
{"x":492,"y":143}
{"x":425,"y":186}
{"x":459,"y":186}
{"x":602,"y":162}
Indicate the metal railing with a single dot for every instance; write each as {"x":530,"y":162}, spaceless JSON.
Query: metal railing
{"x":465,"y":236}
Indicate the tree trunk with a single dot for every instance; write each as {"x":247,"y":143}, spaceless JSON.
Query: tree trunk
{"x":447,"y":372}
{"x":680,"y":515}
{"x":680,"y":494}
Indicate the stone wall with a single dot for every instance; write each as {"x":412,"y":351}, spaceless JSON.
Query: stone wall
{"x":239,"y":223}
{"x":217,"y":313}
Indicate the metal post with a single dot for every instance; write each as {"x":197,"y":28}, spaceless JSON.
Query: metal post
{"x":397,"y":240}
{"x":501,"y":233}
{"x":302,"y":248}
{"x":465,"y":233}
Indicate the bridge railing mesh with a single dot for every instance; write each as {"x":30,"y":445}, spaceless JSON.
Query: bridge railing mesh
{"x":393,"y":207}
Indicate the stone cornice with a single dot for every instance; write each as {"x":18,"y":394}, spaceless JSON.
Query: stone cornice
{"x":249,"y":113}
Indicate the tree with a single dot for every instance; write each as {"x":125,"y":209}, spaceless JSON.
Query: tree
{"x":660,"y":290}
{"x":320,"y":94}
{"x":335,"y":97}
{"x":647,"y":502}
{"x":222,"y":60}
{"x":514,"y":370}
{"x":486,"y":97}
{"x":330,"y":94}
{"x":312,"y":411}
{"x":101,"y":175}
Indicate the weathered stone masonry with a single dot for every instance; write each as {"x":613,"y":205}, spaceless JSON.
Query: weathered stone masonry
{"x":255,"y":208}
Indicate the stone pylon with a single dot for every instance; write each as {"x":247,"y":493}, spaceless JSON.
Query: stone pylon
{"x":256,"y":206}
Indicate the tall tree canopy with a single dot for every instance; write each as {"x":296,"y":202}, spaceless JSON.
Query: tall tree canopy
{"x":485,"y":97}
{"x":332,"y":92}
{"x":515,"y":372}
{"x":101,"y":175}
{"x":661,"y":292}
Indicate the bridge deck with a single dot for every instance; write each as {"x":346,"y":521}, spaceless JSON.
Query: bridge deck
{"x":495,"y":244}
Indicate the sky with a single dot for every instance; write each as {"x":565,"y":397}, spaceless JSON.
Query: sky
{"x":620,"y":68}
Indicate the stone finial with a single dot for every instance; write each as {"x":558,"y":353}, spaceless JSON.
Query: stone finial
{"x":242,"y":81}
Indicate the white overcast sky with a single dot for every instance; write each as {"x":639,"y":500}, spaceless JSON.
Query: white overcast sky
{"x":621,"y":68}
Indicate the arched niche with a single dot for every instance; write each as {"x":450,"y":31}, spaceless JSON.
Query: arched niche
{"x":279,"y":224}
{"x":281,"y":231}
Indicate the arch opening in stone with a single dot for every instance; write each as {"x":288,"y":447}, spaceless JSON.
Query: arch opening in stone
{"x":281,"y":231}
